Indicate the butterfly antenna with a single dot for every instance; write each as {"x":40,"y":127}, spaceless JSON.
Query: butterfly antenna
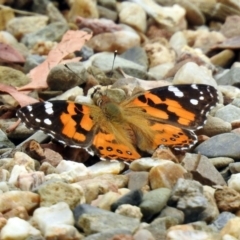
{"x":65,"y":65}
{"x":114,"y":57}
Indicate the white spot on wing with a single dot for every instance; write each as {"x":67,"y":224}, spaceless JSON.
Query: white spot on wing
{"x":176,"y":91}
{"x":47,"y":121}
{"x":194,"y":101}
{"x":201,"y":98}
{"x":48,"y":108}
{"x":29,"y":108}
{"x":194,"y":86}
{"x":38,"y":120}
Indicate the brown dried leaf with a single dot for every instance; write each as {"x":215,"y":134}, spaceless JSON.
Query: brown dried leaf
{"x":21,"y":98}
{"x":71,"y":41}
{"x":9,"y":54}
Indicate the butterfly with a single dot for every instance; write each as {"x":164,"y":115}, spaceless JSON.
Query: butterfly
{"x":166,"y":116}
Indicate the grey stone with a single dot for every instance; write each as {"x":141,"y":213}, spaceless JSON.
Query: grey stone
{"x":95,"y":220}
{"x":154,"y":201}
{"x":53,"y":32}
{"x":228,"y":113}
{"x":222,"y":145}
{"x":66,"y":76}
{"x":202,"y":169}
{"x":108,"y":234}
{"x":222,"y":219}
{"x":188,"y":196}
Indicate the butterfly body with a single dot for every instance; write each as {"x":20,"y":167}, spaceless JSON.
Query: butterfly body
{"x":161,"y":116}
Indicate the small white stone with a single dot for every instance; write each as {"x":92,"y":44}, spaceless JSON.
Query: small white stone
{"x":18,"y":229}
{"x":132,"y":14}
{"x":104,"y":167}
{"x":69,"y":166}
{"x":16,"y":171}
{"x":30,"y":181}
{"x":62,"y":231}
{"x":234,"y":182}
{"x":45,"y":217}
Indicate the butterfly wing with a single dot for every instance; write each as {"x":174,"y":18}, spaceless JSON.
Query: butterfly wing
{"x":107,"y":147}
{"x":67,"y":122}
{"x":171,"y":113}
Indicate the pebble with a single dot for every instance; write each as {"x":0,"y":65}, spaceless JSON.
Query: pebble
{"x":188,"y":196}
{"x":20,"y":26}
{"x":18,"y":229}
{"x":12,"y":199}
{"x":222,"y":219}
{"x":172,"y":212}
{"x":96,"y":185}
{"x":228,"y":113}
{"x":234,"y":167}
{"x":233,"y":182}
{"x":129,"y":211}
{"x":51,"y":32}
{"x":159,"y":53}
{"x":123,"y":40}
{"x":16,"y":77}
{"x":138,"y":180}
{"x":53,"y":218}
{"x":94,"y":220}
{"x":154,"y":201}
{"x":231,"y":77}
{"x":133,"y":15}
{"x":4,"y":141}
{"x":165,"y":175}
{"x":62,"y":77}
{"x":227,"y":199}
{"x":133,"y":197}
{"x":103,"y":167}
{"x":202,"y":170}
{"x":224,"y":145}
{"x":215,"y":126}
{"x":231,"y":228}
{"x":53,"y":191}
{"x":192,"y":73}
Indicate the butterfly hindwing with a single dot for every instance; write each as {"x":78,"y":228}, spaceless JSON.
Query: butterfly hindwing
{"x":106,"y":146}
{"x":172,"y":136}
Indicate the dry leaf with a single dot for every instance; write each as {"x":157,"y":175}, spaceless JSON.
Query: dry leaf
{"x":21,"y":98}
{"x":98,"y":25}
{"x":9,"y":54}
{"x":71,"y":41}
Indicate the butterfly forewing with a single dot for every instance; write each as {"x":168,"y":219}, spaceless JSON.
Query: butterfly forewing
{"x":184,"y":106}
{"x":67,"y":122}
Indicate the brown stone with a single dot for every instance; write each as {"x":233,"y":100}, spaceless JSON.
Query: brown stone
{"x":227,"y":199}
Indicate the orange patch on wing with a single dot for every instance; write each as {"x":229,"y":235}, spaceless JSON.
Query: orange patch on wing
{"x":169,"y":135}
{"x":108,"y":148}
{"x":69,"y":125}
{"x":79,"y":137}
{"x":86,"y":122}
{"x":151,"y":110}
{"x":185,"y":115}
{"x":71,"y":108}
